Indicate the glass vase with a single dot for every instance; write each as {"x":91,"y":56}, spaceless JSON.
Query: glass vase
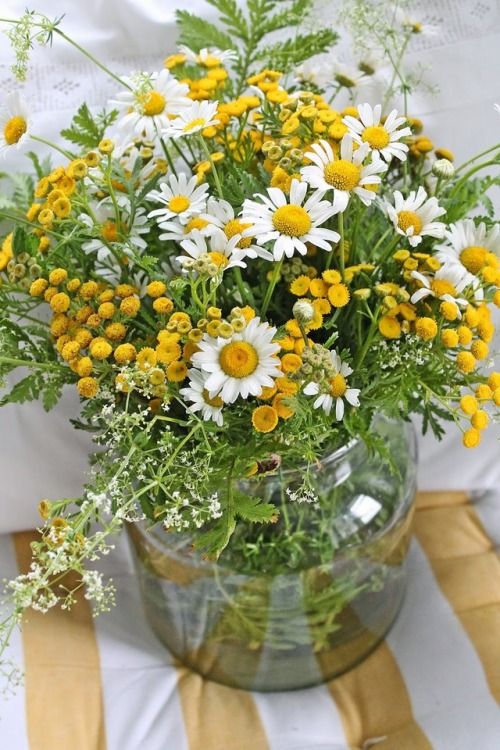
{"x":298,"y":602}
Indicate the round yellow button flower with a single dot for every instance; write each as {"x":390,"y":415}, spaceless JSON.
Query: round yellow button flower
{"x":466,"y":362}
{"x":338,"y":295}
{"x":60,"y":302}
{"x":88,"y":290}
{"x":480,"y":419}
{"x":283,"y":409}
{"x":106,"y":310}
{"x":38,"y":287}
{"x":464,"y":335}
{"x":264,"y":418}
{"x":84,"y":367}
{"x":156,"y":289}
{"x":471,"y":438}
{"x":57,"y":276}
{"x":449,"y":338}
{"x":130,"y":306}
{"x":426,"y":328}
{"x":494,"y":380}
{"x":389,"y":327}
{"x":291,"y":363}
{"x":124,"y":353}
{"x":484,"y":392}
{"x":115,"y":331}
{"x":469,"y":404}
{"x":88,"y":387}
{"x":176,"y":372}
{"x":100,"y":348}
{"x":479,"y":349}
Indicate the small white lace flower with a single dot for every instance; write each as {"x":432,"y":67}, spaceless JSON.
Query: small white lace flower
{"x":146,"y":110}
{"x":345,"y":175}
{"x":197,"y":394}
{"x":14,"y":122}
{"x":241,"y":366}
{"x":413,"y":217}
{"x":182,"y":198}
{"x":468,"y":247}
{"x":221,"y":251}
{"x":288,"y":222}
{"x":198,"y":116}
{"x":383,"y":139}
{"x":333,"y":390}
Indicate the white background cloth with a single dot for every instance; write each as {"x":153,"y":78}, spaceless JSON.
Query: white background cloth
{"x":41,"y":455}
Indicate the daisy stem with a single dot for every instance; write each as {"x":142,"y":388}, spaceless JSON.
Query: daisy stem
{"x":476,"y":157}
{"x":245,"y":292}
{"x":37,"y":138}
{"x":92,"y":58}
{"x":468,"y":174}
{"x":179,"y":151}
{"x":342,"y":245}
{"x":30,"y":363}
{"x":272,"y":284}
{"x":212,"y":164}
{"x":168,"y":157}
{"x":390,"y":248}
{"x":367,"y":343}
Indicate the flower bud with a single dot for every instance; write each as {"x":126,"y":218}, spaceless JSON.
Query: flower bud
{"x":303,"y":311}
{"x":443,"y":168}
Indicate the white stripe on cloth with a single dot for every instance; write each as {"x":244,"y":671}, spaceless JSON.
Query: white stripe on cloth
{"x":13,"y":728}
{"x":443,"y":674}
{"x":139,"y":680}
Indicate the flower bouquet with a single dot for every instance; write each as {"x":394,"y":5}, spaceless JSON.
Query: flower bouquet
{"x":253,"y":278}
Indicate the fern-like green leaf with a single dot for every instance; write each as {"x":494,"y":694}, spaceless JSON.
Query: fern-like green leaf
{"x":197,"y":33}
{"x":87,"y":130}
{"x":286,"y":55}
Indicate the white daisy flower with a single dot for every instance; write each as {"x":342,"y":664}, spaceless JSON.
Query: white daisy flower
{"x":290,"y":225}
{"x":14,"y":122}
{"x":220,"y":215}
{"x":383,"y":139}
{"x":174,"y":230}
{"x":146,"y":110}
{"x":211,"y":408}
{"x":242,"y":366}
{"x":446,"y":284}
{"x":335,"y":389}
{"x":413,"y":217}
{"x":468,"y":247}
{"x":345,"y":175}
{"x":349,"y":76}
{"x":408,"y":23}
{"x":182,"y":198}
{"x":198,"y":116}
{"x":221,"y":251}
{"x":211,"y":57}
{"x":111,"y":232}
{"x":313,"y":71}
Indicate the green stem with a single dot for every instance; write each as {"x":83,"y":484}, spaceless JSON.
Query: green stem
{"x":45,"y":142}
{"x":476,"y":157}
{"x":212,"y":164}
{"x":272,"y":284}
{"x":468,"y":174}
{"x":30,"y":363}
{"x":92,"y":58}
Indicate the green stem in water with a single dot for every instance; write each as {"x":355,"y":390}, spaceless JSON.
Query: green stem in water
{"x":270,"y":288}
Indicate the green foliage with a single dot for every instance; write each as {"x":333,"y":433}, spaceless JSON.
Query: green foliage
{"x":87,"y":130}
{"x":252,"y":509}
{"x":249,"y":34}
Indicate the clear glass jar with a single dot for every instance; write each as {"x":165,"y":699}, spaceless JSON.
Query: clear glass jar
{"x":317,"y":591}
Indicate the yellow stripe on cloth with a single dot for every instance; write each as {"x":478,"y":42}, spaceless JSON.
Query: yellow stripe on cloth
{"x":373,"y":702}
{"x":64,"y":702}
{"x":219,"y":717}
{"x":467,"y":570}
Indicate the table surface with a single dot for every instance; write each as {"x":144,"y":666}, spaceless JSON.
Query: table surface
{"x":434,"y":683}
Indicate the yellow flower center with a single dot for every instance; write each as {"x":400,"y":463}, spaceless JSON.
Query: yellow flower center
{"x":338,"y":386}
{"x":197,"y":123}
{"x":239,"y":359}
{"x":152,"y":103}
{"x":292,"y":220}
{"x":474,"y":258}
{"x":235,"y":226}
{"x":179,"y":203}
{"x":196,"y":223}
{"x":441,"y":287}
{"x":407,"y":219}
{"x":342,"y":174}
{"x":219,"y":259}
{"x":109,"y":231}
{"x":377,"y":136}
{"x":215,"y":401}
{"x":14,"y":130}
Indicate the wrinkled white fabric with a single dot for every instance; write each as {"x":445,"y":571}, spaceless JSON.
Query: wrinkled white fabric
{"x":41,"y":455}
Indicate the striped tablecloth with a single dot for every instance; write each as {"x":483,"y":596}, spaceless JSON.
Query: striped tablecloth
{"x":107,"y":684}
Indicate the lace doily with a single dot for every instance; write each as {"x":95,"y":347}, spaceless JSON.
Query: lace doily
{"x":54,"y":87}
